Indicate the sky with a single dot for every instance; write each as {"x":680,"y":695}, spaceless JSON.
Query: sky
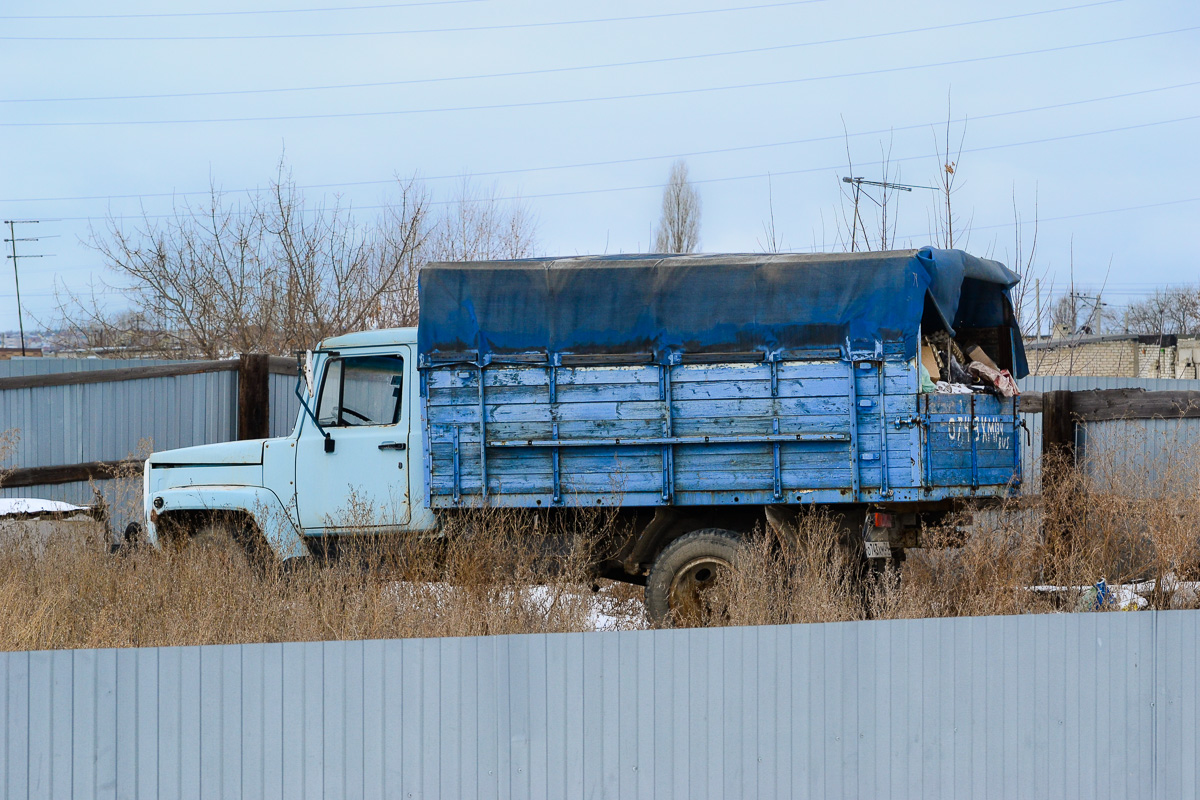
{"x":1083,"y":115}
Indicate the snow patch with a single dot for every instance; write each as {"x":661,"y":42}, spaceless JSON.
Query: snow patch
{"x":13,"y":506}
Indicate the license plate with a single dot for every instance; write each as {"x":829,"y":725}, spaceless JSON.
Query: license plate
{"x":878,"y":549}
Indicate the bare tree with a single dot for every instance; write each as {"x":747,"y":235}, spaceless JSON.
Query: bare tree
{"x":774,"y":242}
{"x":1065,"y":314}
{"x":948,"y":228}
{"x":679,"y":227}
{"x":269,"y":273}
{"x":1174,"y":310}
{"x":477,"y":225}
{"x":887,"y":231}
{"x":1023,"y":261}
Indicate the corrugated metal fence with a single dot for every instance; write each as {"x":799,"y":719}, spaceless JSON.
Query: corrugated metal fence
{"x":1078,"y":705}
{"x":60,"y":425}
{"x":1152,"y":447}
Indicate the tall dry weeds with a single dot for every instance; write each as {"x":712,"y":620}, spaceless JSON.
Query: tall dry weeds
{"x":1115,"y":519}
{"x":1124,"y":517}
{"x":504,"y":575}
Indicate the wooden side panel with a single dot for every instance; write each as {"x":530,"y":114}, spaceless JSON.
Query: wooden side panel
{"x":786,"y":430}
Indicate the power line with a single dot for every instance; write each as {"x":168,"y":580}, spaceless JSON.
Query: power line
{"x":1083,"y":214}
{"x":540,"y":103}
{"x":554,"y":70}
{"x":634,"y":160}
{"x":463,"y":29}
{"x":1039,"y":221}
{"x":1062,"y":217}
{"x":755,"y":176}
{"x":237,"y":13}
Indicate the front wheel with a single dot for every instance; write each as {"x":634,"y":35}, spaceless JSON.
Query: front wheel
{"x":230,"y":537}
{"x":687,"y":584}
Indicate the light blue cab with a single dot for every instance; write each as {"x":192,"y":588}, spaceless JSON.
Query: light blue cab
{"x":347,"y":465}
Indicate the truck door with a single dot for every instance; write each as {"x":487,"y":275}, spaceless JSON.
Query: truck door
{"x":363,"y":483}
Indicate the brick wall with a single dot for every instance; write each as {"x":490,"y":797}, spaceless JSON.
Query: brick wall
{"x":1111,"y":359}
{"x":1117,"y":358}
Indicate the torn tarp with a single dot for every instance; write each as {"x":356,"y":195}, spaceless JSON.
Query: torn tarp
{"x":694,"y":304}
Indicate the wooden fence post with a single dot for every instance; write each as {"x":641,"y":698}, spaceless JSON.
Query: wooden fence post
{"x":254,"y":398}
{"x":1058,"y":424}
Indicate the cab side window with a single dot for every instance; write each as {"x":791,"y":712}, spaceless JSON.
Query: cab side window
{"x":362,"y":390}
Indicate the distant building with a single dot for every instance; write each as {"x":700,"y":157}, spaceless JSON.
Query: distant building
{"x":15,"y":352}
{"x":1120,"y":356}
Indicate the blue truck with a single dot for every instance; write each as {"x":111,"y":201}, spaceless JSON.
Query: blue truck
{"x":701,"y":397}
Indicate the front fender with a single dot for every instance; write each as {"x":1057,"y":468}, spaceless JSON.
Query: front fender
{"x":277,"y":525}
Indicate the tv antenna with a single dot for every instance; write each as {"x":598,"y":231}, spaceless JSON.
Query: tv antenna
{"x":858,"y":183}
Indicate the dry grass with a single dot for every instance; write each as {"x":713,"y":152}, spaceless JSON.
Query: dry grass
{"x":1113,"y":521}
{"x":501,"y":572}
{"x":64,"y":592}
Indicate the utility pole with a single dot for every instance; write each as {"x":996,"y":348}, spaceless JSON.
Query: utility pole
{"x":12,"y":240}
{"x":858,"y":183}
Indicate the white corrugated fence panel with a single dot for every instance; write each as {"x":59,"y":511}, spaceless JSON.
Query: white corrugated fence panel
{"x":1066,"y":705}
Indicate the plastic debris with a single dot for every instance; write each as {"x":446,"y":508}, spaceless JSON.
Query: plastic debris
{"x":927,"y":384}
{"x":1000,"y":378}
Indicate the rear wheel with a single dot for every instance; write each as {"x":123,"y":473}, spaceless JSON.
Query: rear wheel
{"x":688,"y":585}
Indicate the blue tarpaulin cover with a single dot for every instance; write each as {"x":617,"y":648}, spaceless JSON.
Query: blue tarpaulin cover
{"x":691,"y":304}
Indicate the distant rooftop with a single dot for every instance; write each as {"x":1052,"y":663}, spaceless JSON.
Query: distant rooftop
{"x":1159,"y":339}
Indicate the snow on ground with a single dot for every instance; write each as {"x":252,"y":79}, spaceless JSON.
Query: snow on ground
{"x":607,"y":609}
{"x":606,"y":612}
{"x":14,"y":506}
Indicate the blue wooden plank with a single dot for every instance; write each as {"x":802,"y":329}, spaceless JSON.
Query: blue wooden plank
{"x":954,"y":441}
{"x":714,"y":424}
{"x":961,"y":459}
{"x":505,"y":422}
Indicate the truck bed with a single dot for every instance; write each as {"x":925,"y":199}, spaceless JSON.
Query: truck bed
{"x":738,"y":432}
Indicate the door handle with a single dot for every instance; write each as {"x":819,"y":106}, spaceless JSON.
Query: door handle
{"x":393,"y":445}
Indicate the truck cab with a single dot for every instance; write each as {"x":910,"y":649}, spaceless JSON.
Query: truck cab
{"x":350,"y":465}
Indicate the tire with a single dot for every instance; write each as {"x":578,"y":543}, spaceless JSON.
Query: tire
{"x":682,"y":587}
{"x":223,"y":537}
